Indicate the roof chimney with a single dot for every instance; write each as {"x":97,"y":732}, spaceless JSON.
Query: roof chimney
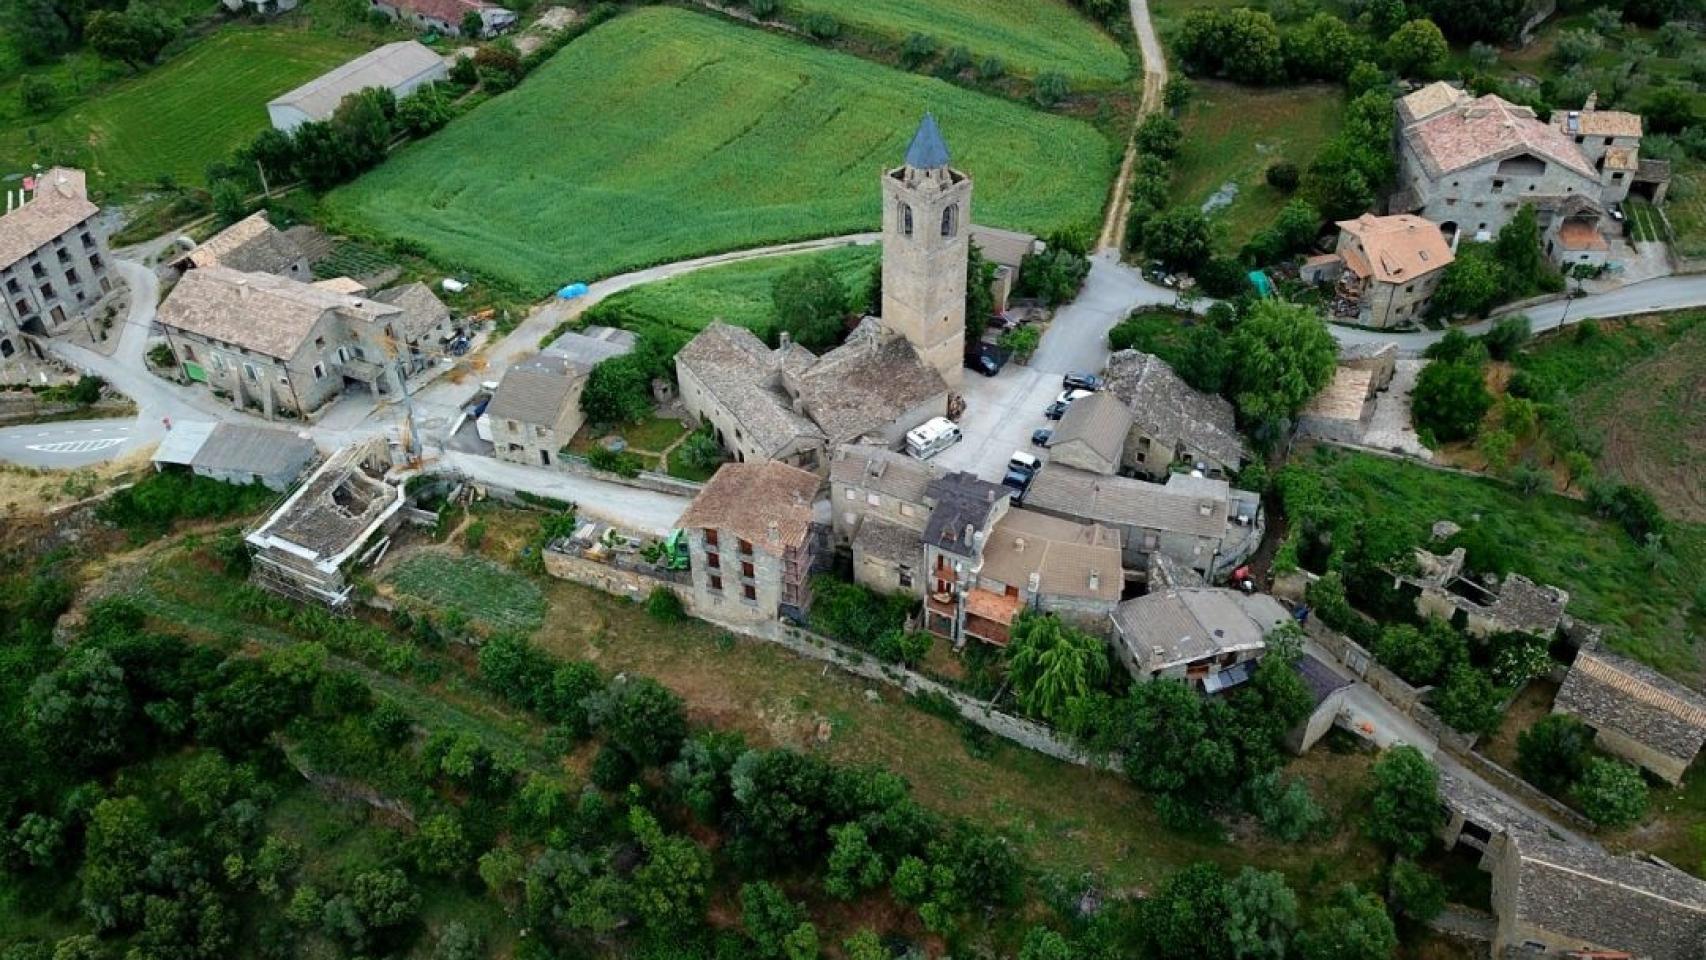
{"x":1035,"y":582}
{"x":774,"y":531}
{"x":967,"y":540}
{"x":1592,"y":102}
{"x":1018,"y":544}
{"x":1095,"y":580}
{"x":785,"y":339}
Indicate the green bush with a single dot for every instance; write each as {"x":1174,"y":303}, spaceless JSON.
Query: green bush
{"x":1611,"y":792}
{"x":151,"y":505}
{"x":665,"y":605}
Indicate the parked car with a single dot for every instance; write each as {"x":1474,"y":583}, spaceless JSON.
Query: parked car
{"x":985,"y":358}
{"x":1040,"y":437}
{"x":1021,"y":467}
{"x":1074,"y":393}
{"x":1082,"y":381}
{"x":1055,"y":410}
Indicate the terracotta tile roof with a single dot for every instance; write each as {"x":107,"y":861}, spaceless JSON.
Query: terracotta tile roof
{"x":1428,"y":100}
{"x":266,"y":314}
{"x":1610,"y":691}
{"x":767,"y":504}
{"x":1622,"y":158}
{"x":1600,"y":123}
{"x":996,"y":607}
{"x":60,"y":202}
{"x":1576,"y":235}
{"x":1080,"y":560}
{"x":447,"y":11}
{"x":1399,"y":248}
{"x":1472,"y":132}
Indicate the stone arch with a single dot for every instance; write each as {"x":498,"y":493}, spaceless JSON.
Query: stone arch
{"x":6,"y":348}
{"x":906,"y":219}
{"x":951,"y":220}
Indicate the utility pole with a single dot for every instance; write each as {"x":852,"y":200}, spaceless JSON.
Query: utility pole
{"x":266,"y":191}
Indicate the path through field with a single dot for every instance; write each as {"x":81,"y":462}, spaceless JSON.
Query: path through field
{"x":1154,"y":79}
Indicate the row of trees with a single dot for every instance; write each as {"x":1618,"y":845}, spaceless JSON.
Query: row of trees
{"x":1248,"y":46}
{"x":132,"y":33}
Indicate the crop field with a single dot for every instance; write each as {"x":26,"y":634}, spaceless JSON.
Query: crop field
{"x":484,"y":591}
{"x":1029,"y":36}
{"x":738,"y":293}
{"x":182,"y":115}
{"x":1233,"y":134}
{"x":1650,"y":611}
{"x":1686,"y":207}
{"x":667,"y":134}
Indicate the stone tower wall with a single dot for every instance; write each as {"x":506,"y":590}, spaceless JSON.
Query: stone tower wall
{"x":924,"y":274}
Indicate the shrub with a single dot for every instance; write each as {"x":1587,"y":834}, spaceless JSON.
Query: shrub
{"x":763,"y":9}
{"x":1507,"y":336}
{"x":623,"y":464}
{"x":821,"y":26}
{"x":1553,"y":753}
{"x":665,"y":605}
{"x":1283,"y":176}
{"x":916,"y":49}
{"x":37,"y":94}
{"x":1449,"y":399}
{"x":1405,"y":808}
{"x":1468,"y":701}
{"x":991,"y":68}
{"x":1611,"y":793}
{"x":1050,"y":88}
{"x":1021,"y":341}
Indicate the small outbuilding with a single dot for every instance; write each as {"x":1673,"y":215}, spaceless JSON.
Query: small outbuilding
{"x":400,"y":67}
{"x":1636,"y":712}
{"x":237,"y":453}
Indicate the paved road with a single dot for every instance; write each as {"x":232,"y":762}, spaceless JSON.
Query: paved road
{"x":66,"y":445}
{"x":633,"y":508}
{"x":1077,"y":339}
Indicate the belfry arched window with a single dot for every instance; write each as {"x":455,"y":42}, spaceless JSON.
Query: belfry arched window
{"x":951,"y":220}
{"x":906,"y":220}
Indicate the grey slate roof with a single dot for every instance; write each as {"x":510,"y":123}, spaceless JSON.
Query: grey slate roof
{"x":593,"y":345}
{"x":1618,"y":903}
{"x":928,"y":150}
{"x":881,"y":470}
{"x":183,"y":441}
{"x":535,"y":391}
{"x":1183,"y":624}
{"x":1321,"y":679}
{"x":262,"y":451}
{"x":889,"y":541}
{"x":390,"y":66}
{"x":1100,"y":422}
{"x":1005,"y":247}
{"x":960,"y":499}
{"x":422,"y":310}
{"x":1166,"y":408}
{"x":1608,"y":691}
{"x":261,"y":312}
{"x":1068,"y":491}
{"x":1079,"y":560}
{"x":740,"y":372}
{"x":865,"y":384}
{"x":252,"y":244}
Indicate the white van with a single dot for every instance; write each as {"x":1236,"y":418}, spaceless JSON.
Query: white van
{"x":932,"y":437}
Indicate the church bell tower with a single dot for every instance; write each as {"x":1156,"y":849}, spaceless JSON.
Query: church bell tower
{"x":926,"y":219}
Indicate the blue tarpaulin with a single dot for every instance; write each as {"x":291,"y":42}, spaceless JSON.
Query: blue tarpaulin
{"x":1264,"y":286}
{"x":572,"y":291}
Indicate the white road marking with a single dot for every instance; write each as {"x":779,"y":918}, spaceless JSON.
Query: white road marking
{"x":77,"y":446}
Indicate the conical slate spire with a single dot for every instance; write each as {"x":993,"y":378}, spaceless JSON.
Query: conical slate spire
{"x":928,"y":151}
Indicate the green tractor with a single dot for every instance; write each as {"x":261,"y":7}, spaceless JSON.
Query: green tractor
{"x":674,"y":550}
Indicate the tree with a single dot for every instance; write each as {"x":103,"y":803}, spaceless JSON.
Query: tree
{"x":1283,"y":355}
{"x":1468,"y":701}
{"x":1176,"y":94}
{"x":1041,"y":943}
{"x":854,"y":866}
{"x":1414,"y":893}
{"x":1240,"y":44}
{"x":811,"y":305}
{"x":1186,"y":918}
{"x":1611,"y":793}
{"x":37,"y":94}
{"x":1405,"y":807}
{"x":440,"y":848}
{"x":134,"y":36}
{"x":641,"y":717}
{"x":1159,"y":135}
{"x":473,"y":26}
{"x":1285,"y":807}
{"x":1050,"y":88}
{"x":81,"y":713}
{"x":1496,"y":21}
{"x":230,"y":201}
{"x":980,"y":292}
{"x":1021,"y":341}
{"x":1180,"y":238}
{"x":1669,"y":110}
{"x":1405,"y":651}
{"x":1261,"y":915}
{"x":1324,"y":48}
{"x":1450,"y":399}
{"x":39,"y":33}
{"x":1053,"y":276}
{"x":1294,"y":229}
{"x":1553,"y":753}
{"x":768,"y":917}
{"x":618,"y":390}
{"x":1575,"y":47}
{"x":425,"y":110}
{"x":865,"y":945}
{"x":1417,"y":49}
{"x":1173,"y":741}
{"x":671,"y":887}
{"x":1351,"y":926}
{"x":1518,"y":252}
{"x":1053,"y":666}
{"x":1282,"y":176}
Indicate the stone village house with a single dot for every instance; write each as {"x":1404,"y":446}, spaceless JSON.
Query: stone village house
{"x":1386,"y":269}
{"x":536,"y":409}
{"x":288,"y":348}
{"x":1518,"y":605}
{"x":1635,"y":712}
{"x":54,"y":264}
{"x":1172,"y":424}
{"x":252,"y":245}
{"x":753,"y":543}
{"x":444,"y":17}
{"x":1208,"y":637}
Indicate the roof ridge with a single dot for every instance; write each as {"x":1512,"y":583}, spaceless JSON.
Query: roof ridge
{"x":1642,"y":891}
{"x":1641,"y":689}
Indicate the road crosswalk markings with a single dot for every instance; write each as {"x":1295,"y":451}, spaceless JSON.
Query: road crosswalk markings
{"x":77,"y":446}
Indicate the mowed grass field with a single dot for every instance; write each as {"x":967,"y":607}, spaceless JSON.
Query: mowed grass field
{"x":1233,"y":134}
{"x":1030,"y":36}
{"x":177,"y":118}
{"x":738,"y":293}
{"x":667,"y":134}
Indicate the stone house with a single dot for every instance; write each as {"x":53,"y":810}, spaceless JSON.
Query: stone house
{"x":1327,"y":691}
{"x":1092,"y":434}
{"x":1391,"y":266}
{"x":753,"y":543}
{"x":536,"y":409}
{"x":402,"y":68}
{"x":444,"y":17}
{"x":252,"y":245}
{"x":1344,"y":408}
{"x":54,"y":264}
{"x":879,"y":510}
{"x":1203,"y":524}
{"x":287,"y":348}
{"x":1002,"y":560}
{"x":731,"y":381}
{"x":1207,"y":637}
{"x":304,"y":549}
{"x":1172,"y":424}
{"x":1470,"y":163}
{"x":1562,"y":899}
{"x":1518,"y":605}
{"x":1007,"y":250}
{"x":1635,"y":712}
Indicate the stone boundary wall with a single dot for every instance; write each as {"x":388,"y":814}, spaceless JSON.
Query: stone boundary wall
{"x":1516,"y":786}
{"x":647,"y":480}
{"x":1026,"y":733}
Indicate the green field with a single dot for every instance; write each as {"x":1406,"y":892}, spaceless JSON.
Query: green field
{"x":1233,"y":134}
{"x":738,"y":293}
{"x":1030,"y":36}
{"x":180,"y":116}
{"x":485,"y":592}
{"x":1650,"y":612}
{"x":667,"y":134}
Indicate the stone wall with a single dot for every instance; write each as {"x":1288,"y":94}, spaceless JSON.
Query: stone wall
{"x":613,"y":580}
{"x":647,"y":479}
